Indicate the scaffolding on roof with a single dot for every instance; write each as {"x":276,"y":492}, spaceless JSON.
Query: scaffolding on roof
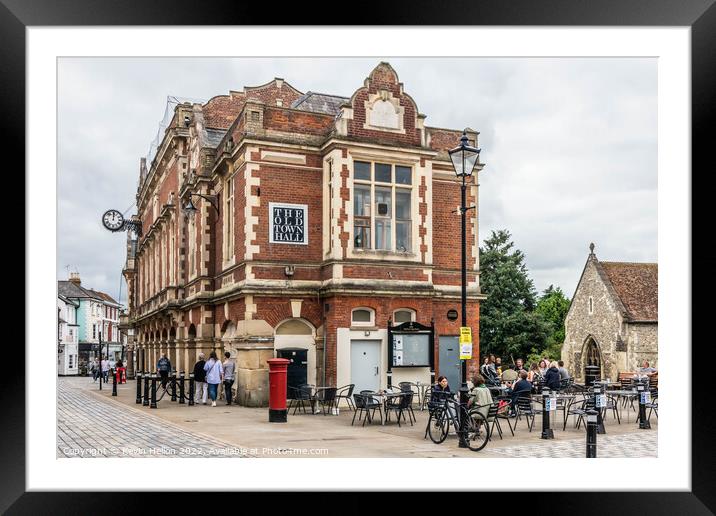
{"x":172,"y":102}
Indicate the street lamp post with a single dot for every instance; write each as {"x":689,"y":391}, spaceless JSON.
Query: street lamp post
{"x":100,"y":360}
{"x":464,"y":158}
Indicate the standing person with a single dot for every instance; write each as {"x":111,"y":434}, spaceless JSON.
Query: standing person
{"x":163,"y":368}
{"x":551,"y":379}
{"x":214,"y":376}
{"x":95,"y":369}
{"x":229,"y":367}
{"x":105,"y":369}
{"x":200,"y":380}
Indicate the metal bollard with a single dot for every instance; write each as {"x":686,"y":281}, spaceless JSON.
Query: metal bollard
{"x":153,"y":404}
{"x":598,"y":398}
{"x":181,"y":387}
{"x":114,"y":382}
{"x":592,"y":434}
{"x":547,"y":432}
{"x":145,"y":403}
{"x":139,"y":388}
{"x":191,"y":389}
{"x":643,"y":421}
{"x":174,"y":386}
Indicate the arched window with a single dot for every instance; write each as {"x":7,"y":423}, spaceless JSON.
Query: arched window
{"x":403,"y":315}
{"x":363,"y":317}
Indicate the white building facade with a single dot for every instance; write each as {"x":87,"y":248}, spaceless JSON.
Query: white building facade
{"x":67,"y":336}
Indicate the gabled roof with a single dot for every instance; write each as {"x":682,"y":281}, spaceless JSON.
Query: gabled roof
{"x":71,"y":290}
{"x":319,"y":103}
{"x":637,"y":285}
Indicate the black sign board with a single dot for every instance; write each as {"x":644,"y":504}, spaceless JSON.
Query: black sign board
{"x":452,"y":315}
{"x":288,"y":223}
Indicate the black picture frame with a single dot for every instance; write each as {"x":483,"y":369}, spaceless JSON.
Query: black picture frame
{"x":699,"y":15}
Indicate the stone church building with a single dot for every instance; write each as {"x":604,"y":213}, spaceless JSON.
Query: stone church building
{"x":612,"y":321}
{"x":281,"y":223}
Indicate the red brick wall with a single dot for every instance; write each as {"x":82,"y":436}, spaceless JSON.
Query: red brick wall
{"x":274,"y":310}
{"x":446,"y":226}
{"x":293,"y":186}
{"x":278,"y":272}
{"x":297,"y":121}
{"x":387,"y":273}
{"x":269,"y":93}
{"x":221,"y":111}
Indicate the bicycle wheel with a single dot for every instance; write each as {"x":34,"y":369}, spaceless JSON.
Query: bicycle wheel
{"x":438,"y":427}
{"x":478,"y":431}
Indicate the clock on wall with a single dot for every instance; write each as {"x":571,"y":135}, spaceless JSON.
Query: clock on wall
{"x":113,"y":220}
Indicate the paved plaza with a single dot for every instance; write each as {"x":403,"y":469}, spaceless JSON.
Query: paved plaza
{"x":94,"y":423}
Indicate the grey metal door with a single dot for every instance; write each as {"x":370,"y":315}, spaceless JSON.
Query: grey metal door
{"x":449,"y":361}
{"x":365,"y":365}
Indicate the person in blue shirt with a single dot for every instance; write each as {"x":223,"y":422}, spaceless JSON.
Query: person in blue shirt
{"x":214,"y":376}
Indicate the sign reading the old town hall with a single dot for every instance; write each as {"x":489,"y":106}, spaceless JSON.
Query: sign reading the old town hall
{"x":288,"y":223}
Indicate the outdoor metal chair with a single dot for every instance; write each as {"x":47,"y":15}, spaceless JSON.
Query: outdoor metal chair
{"x":326,"y":397}
{"x":298,"y":396}
{"x":399,"y":404}
{"x":523,"y":407}
{"x":369,"y":404}
{"x":346,"y":392}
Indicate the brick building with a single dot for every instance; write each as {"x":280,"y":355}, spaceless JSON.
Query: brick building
{"x":321,"y":218}
{"x":612,"y":320}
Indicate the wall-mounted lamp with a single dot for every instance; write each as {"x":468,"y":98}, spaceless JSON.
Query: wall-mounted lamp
{"x":189,"y":208}
{"x":289,"y":270}
{"x":366,"y":333}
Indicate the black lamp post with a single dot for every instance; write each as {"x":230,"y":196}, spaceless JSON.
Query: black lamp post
{"x":100,"y":360}
{"x":190,"y":209}
{"x":464,"y":158}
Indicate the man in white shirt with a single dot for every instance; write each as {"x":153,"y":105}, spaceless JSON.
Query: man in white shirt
{"x":105,"y":369}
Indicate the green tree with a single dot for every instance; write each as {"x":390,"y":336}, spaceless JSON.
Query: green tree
{"x":552,"y":308}
{"x":509,"y":325}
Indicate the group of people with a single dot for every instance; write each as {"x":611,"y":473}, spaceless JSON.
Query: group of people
{"x":100,"y":368}
{"x":550,"y":373}
{"x":208,"y":375}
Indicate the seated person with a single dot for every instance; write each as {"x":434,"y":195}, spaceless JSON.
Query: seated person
{"x":480,"y":395}
{"x":551,"y":379}
{"x":646,"y":370}
{"x":442,"y":391}
{"x":522,"y":385}
{"x":519,"y":365}
{"x":509,"y":376}
{"x":563,"y":373}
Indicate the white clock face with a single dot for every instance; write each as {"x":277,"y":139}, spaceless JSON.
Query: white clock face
{"x":113,"y":220}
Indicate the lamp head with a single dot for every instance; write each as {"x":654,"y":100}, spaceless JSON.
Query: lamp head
{"x":464,"y":157}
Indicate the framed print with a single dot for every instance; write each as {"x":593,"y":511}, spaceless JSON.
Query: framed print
{"x":578,"y":120}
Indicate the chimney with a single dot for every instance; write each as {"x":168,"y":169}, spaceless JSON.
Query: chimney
{"x":75,"y":278}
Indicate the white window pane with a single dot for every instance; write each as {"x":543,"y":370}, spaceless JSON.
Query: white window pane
{"x":383,"y":202}
{"x":402,"y":205}
{"x":382,"y":234}
{"x":402,"y":316}
{"x":402,"y":236}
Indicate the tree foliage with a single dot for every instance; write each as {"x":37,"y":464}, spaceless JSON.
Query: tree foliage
{"x":509,"y":322}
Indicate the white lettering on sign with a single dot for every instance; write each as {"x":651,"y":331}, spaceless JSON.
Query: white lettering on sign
{"x":288,"y":223}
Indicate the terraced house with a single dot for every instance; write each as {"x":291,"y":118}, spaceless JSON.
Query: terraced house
{"x":302,"y":225}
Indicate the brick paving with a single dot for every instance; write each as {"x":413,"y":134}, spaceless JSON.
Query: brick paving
{"x":89,"y":426}
{"x":608,"y":446}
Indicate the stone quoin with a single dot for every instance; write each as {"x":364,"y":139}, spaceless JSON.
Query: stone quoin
{"x":335,"y":216}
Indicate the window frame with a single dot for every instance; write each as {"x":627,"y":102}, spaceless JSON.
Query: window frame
{"x":370,"y":322}
{"x":413,"y":315}
{"x":374,"y":217}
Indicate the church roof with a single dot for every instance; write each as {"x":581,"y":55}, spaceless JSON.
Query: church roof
{"x":637,"y":286}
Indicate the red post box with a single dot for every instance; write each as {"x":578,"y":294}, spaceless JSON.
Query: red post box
{"x":278,"y":370}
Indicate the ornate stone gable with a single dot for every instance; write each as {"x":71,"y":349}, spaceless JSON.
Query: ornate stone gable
{"x":382,"y":111}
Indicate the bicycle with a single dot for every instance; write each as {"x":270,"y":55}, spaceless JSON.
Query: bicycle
{"x":478,"y":429}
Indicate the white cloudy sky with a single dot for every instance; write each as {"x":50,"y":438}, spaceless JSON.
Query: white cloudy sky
{"x":570,"y":145}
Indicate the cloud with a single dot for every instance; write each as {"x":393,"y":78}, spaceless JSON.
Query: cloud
{"x":570,"y":145}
